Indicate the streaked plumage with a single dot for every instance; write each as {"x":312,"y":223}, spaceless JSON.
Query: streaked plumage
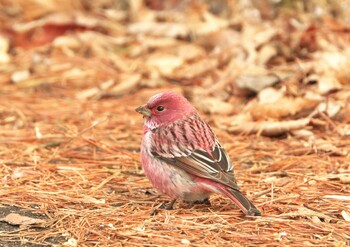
{"x":181,"y":155}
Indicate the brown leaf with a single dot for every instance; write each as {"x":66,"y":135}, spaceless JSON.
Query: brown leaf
{"x":243,"y":123}
{"x":162,"y":29}
{"x":190,"y":52}
{"x":328,"y":84}
{"x":164,"y":63}
{"x":320,"y":145}
{"x":17,"y":219}
{"x":212,"y":105}
{"x":42,"y":31}
{"x":346,"y":215}
{"x":127,"y":84}
{"x":308,"y":213}
{"x":256,"y":83}
{"x":4,"y":49}
{"x":286,"y":106}
{"x":190,"y":71}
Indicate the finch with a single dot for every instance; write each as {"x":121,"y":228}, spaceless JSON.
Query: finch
{"x":181,"y":155}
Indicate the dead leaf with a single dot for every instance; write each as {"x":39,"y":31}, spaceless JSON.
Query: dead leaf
{"x":337,"y":197}
{"x":90,"y":199}
{"x":266,"y":53}
{"x":303,"y":134}
{"x":4,"y":49}
{"x":212,"y":105}
{"x":127,"y":83}
{"x":19,"y":76}
{"x":243,"y":124}
{"x":189,"y":52}
{"x":207,"y":23}
{"x":95,"y":91}
{"x":283,"y":107}
{"x":343,"y":130}
{"x":162,"y":29}
{"x":17,"y":219}
{"x":34,"y":9}
{"x":320,"y":145}
{"x":164,"y":63}
{"x":224,"y":39}
{"x":331,"y":108}
{"x":158,"y":42}
{"x":45,"y":30}
{"x":346,"y":215}
{"x":342,"y":177}
{"x":190,"y":71}
{"x":24,"y":173}
{"x":256,"y":83}
{"x":270,"y":95}
{"x":308,"y":213}
{"x":327,"y":84}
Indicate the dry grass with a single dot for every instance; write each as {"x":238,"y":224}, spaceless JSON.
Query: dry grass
{"x":86,"y":177}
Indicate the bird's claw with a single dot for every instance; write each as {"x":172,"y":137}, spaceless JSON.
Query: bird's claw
{"x":204,"y":201}
{"x":170,"y":206}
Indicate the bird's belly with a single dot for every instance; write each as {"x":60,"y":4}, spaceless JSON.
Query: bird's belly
{"x":172,"y":181}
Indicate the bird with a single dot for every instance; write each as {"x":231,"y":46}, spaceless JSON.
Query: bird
{"x":181,"y":155}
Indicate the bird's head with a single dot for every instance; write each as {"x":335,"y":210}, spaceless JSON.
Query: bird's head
{"x":164,"y":108}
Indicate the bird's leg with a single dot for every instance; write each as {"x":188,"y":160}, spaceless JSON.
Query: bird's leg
{"x":204,"y":201}
{"x":169,"y":206}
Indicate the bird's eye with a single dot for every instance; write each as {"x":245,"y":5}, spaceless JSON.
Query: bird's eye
{"x":160,"y":108}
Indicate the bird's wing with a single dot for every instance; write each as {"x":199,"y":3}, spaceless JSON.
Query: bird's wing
{"x":207,"y":162}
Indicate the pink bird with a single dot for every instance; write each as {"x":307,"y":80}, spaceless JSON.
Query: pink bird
{"x":181,"y":155}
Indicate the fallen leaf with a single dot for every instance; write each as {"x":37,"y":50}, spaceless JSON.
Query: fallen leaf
{"x":308,"y":213}
{"x":283,"y":107}
{"x":127,"y":83}
{"x":185,"y":241}
{"x":346,"y":215}
{"x":190,"y":71}
{"x":158,"y":42}
{"x":90,"y":199}
{"x":327,"y":84}
{"x":17,"y":219}
{"x":19,"y":76}
{"x":270,"y":95}
{"x":343,"y":130}
{"x":189,"y":52}
{"x":342,"y":177}
{"x":4,"y":48}
{"x":242,"y":124}
{"x":207,"y":23}
{"x":266,"y":53}
{"x":162,"y":29}
{"x":212,"y":105}
{"x":256,"y":83}
{"x":303,"y":134}
{"x":95,"y":91}
{"x":164,"y":63}
{"x":320,"y":145}
{"x":46,"y":29}
{"x":337,"y":197}
{"x":331,"y":108}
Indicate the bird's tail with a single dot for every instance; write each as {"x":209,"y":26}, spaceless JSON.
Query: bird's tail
{"x":241,"y":201}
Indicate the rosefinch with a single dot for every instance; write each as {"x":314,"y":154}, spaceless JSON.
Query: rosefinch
{"x":181,"y":155}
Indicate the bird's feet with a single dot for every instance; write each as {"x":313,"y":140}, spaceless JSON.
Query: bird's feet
{"x":169,"y":206}
{"x":204,"y":201}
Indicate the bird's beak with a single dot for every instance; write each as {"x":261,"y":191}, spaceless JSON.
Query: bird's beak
{"x":143,"y":110}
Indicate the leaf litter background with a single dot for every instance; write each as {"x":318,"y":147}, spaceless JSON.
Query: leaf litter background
{"x":271,"y":77}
